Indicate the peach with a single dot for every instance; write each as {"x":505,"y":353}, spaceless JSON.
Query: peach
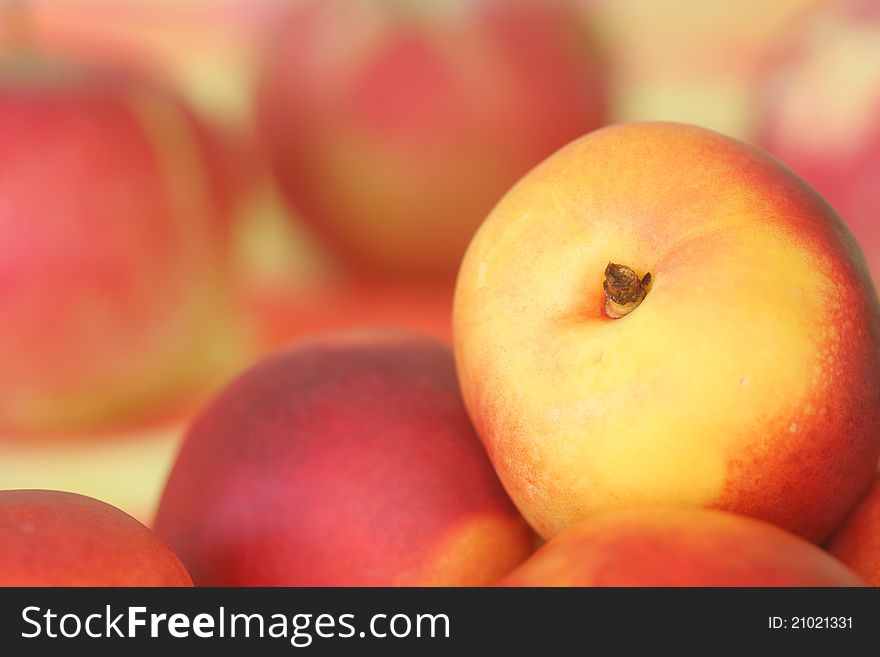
{"x":393,"y":127}
{"x":112,"y":251}
{"x":818,"y":104}
{"x":52,"y":538}
{"x":678,"y":547}
{"x":346,"y":459}
{"x":203,"y":49}
{"x":728,"y":358}
{"x":857,"y":542}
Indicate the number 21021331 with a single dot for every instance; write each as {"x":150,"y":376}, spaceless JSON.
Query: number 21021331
{"x":810,"y":623}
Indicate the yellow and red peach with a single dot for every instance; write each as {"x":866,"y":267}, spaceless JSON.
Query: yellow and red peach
{"x":394,"y":127}
{"x":678,"y":547}
{"x":345,"y":460}
{"x":747,"y":380}
{"x":52,"y":538}
{"x":112,"y":242}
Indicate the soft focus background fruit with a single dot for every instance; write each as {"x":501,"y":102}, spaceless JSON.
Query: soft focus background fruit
{"x":113,"y":250}
{"x":395,"y":126}
{"x":708,"y":63}
{"x":818,"y":103}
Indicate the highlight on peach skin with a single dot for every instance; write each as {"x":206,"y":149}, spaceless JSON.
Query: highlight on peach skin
{"x":342,"y":460}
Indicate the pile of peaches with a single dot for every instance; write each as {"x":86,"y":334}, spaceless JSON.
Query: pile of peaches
{"x":665,"y":364}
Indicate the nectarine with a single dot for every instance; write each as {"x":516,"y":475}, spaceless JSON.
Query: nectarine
{"x":341,"y":460}
{"x":678,"y":547}
{"x":743,"y":374}
{"x":393,"y":127}
{"x":52,"y":538}
{"x":112,"y":244}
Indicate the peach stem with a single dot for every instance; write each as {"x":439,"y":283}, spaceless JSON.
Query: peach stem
{"x":624,"y":290}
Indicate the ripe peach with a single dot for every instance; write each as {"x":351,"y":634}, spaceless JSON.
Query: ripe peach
{"x":678,"y":547}
{"x":112,"y":243}
{"x":819,"y":111}
{"x":202,"y":49}
{"x":689,"y":60}
{"x":748,"y":379}
{"x":342,"y":460}
{"x":52,"y":538}
{"x":857,"y":542}
{"x":394,"y":127}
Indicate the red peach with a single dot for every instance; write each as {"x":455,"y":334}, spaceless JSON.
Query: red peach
{"x":394,"y":127}
{"x":678,"y":547}
{"x":342,"y":460}
{"x":170,"y":43}
{"x":52,"y":538}
{"x":112,"y":242}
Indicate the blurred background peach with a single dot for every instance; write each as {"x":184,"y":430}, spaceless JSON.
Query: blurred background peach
{"x":344,"y":151}
{"x":818,"y":104}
